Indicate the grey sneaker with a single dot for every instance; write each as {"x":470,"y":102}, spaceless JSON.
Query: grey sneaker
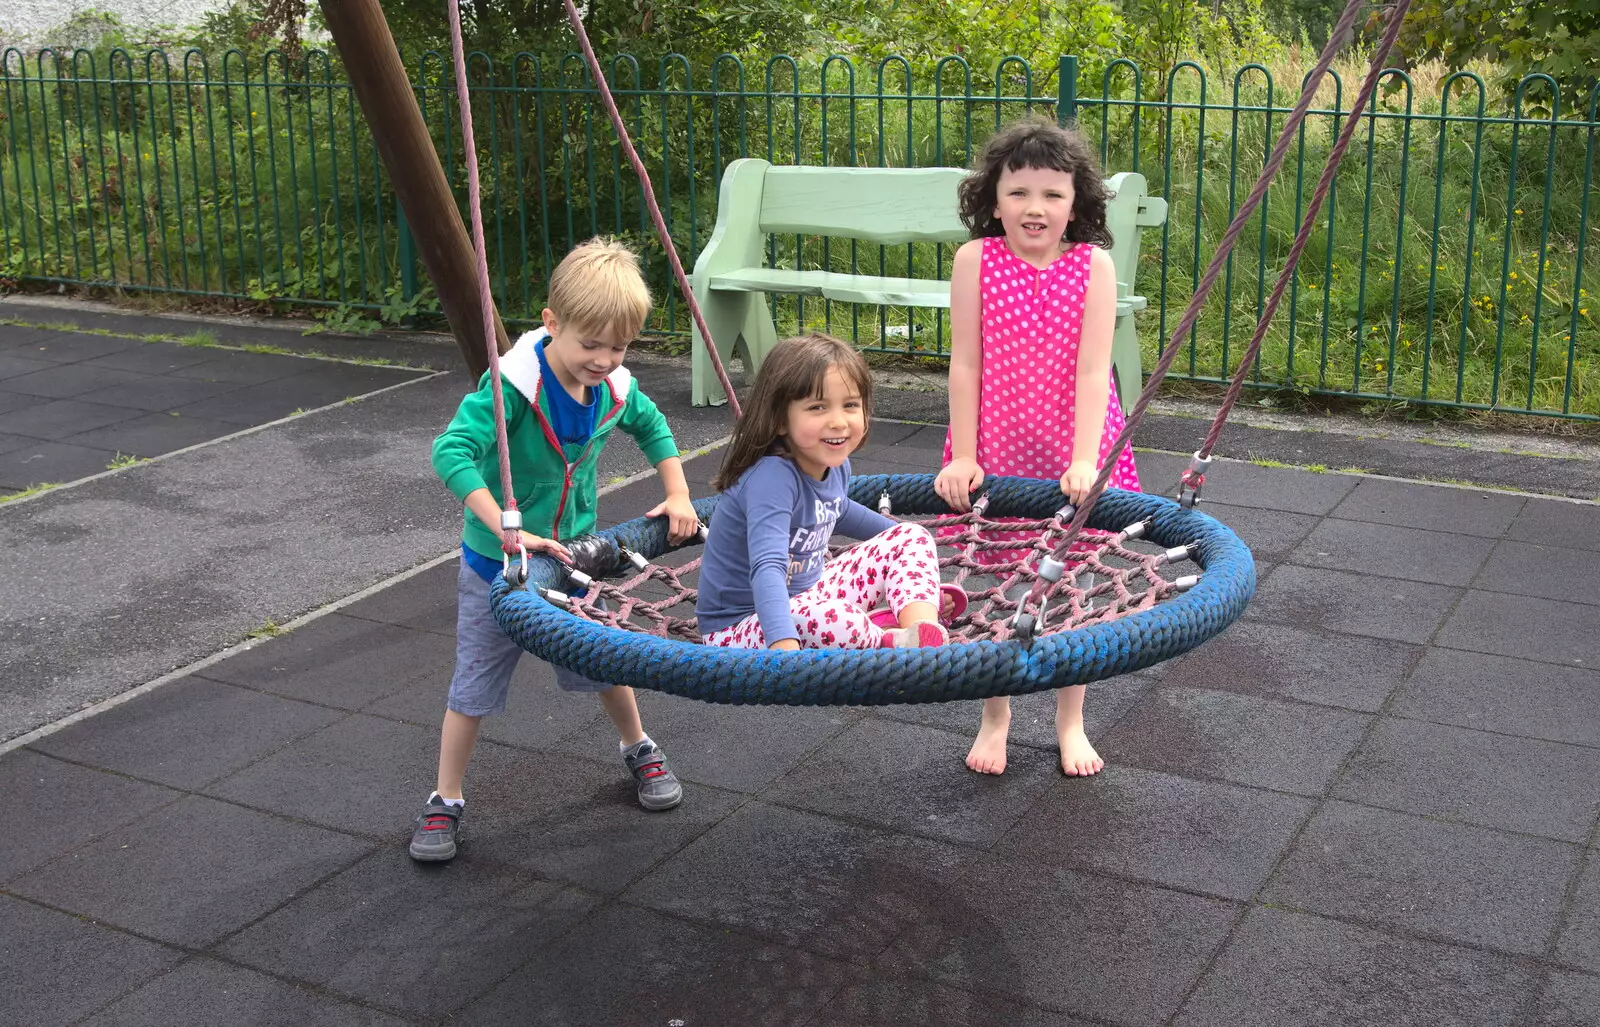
{"x":438,"y":828}
{"x":658,"y":785}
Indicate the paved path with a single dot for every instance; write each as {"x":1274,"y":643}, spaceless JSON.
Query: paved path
{"x":1371,"y":801}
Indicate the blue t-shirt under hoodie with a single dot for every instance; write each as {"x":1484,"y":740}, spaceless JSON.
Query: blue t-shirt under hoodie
{"x":769,"y":539}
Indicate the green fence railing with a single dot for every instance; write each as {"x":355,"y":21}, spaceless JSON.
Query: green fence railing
{"x":1449,"y":267}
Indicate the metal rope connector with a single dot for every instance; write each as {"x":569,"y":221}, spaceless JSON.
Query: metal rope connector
{"x":1192,"y":480}
{"x":1136,"y":529}
{"x":510,"y":520}
{"x":884,"y":505}
{"x":579,"y":578}
{"x":1065,"y":515}
{"x":638,"y":561}
{"x":980,"y":504}
{"x":1177,"y":555}
{"x":560,"y":599}
{"x":1186,"y":582}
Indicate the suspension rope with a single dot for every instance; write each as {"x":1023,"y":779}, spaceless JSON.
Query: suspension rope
{"x":1336,"y":41}
{"x":650,"y":201}
{"x":511,"y":519}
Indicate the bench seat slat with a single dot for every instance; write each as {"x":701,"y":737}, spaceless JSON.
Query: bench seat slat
{"x":869,"y":289}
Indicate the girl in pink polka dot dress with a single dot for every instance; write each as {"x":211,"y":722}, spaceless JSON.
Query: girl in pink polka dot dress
{"x":1033,"y":299}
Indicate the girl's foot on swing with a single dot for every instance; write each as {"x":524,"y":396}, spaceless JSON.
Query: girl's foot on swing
{"x":988,"y":753}
{"x":922,"y":633}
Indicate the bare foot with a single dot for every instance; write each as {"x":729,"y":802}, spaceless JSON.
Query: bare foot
{"x":988,"y":753}
{"x":1078,"y":758}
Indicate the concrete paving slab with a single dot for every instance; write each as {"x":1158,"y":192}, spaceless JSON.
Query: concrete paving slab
{"x":912,"y":779}
{"x":1201,"y":836}
{"x":1286,"y":969}
{"x":58,"y":968}
{"x":187,"y":734}
{"x":1568,"y":1000}
{"x":1537,"y":629}
{"x":80,"y":804}
{"x":1111,"y":950}
{"x":828,"y":887}
{"x":738,"y":748}
{"x":660,"y":970}
{"x":1384,"y":550}
{"x":1240,"y":738}
{"x":1517,"y":784}
{"x":237,"y":865}
{"x":1507,"y":696}
{"x":205,"y":992}
{"x":1579,"y":943}
{"x":1463,"y":884}
{"x":1283,"y":661}
{"x":1547,"y":571}
{"x":1458,"y":511}
{"x":1353,"y":604}
{"x":418,"y":940}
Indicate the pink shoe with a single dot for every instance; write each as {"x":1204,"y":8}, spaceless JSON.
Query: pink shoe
{"x":922,"y":633}
{"x":884,"y":617}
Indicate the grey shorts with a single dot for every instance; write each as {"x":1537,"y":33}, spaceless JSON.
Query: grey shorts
{"x":486,"y":657}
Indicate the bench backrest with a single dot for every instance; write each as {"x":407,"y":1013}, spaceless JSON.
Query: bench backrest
{"x":879,"y":205}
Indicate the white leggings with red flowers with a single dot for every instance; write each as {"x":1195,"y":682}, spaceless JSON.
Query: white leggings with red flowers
{"x":899,"y":566}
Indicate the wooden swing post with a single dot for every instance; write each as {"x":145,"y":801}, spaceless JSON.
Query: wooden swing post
{"x":373,"y":65}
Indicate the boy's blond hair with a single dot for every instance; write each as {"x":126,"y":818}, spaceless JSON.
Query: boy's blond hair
{"x":598,"y":286}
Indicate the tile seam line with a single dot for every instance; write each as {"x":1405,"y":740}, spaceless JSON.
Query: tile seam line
{"x":181,"y":672}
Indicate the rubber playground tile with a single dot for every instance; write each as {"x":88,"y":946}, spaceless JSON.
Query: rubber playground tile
{"x":204,"y":993}
{"x":236,"y":865}
{"x":1110,"y":950}
{"x":1266,"y":488}
{"x":163,"y":393}
{"x":156,"y":357}
{"x":53,"y":462}
{"x":187,"y":733}
{"x":46,"y":419}
{"x":244,"y":368}
{"x":572,"y":820}
{"x":1033,"y":716}
{"x":799,"y":879}
{"x":10,"y":443}
{"x":19,"y":335}
{"x":1435,"y":507}
{"x":660,"y":970}
{"x":913,"y":779}
{"x":1568,"y":1000}
{"x":1201,"y":836}
{"x":69,"y":381}
{"x":1516,"y":784}
{"x":1540,"y":629}
{"x":69,"y":347}
{"x":425,"y":601}
{"x":1270,"y":534}
{"x":1354,"y":604}
{"x":80,"y":804}
{"x":740,"y":748}
{"x":11,"y":402}
{"x":359,"y":774}
{"x":151,"y":435}
{"x":888,"y":1000}
{"x":420,"y":939}
{"x":1384,"y":550}
{"x":1466,"y":884}
{"x":1579,"y":944}
{"x":263,"y":403}
{"x":338,"y":661}
{"x":1496,"y":693}
{"x":56,"y":968}
{"x":1239,"y":738}
{"x":1284,"y":969}
{"x":16,"y":366}
{"x":1545,"y":570}
{"x":1279,"y":660}
{"x":1547,"y":522}
{"x":538,"y":714}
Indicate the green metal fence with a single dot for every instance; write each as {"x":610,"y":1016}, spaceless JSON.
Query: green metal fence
{"x":1449,"y":266}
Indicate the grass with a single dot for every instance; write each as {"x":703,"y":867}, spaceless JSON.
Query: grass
{"x":268,"y":629}
{"x":124,"y":460}
{"x":31,"y":490}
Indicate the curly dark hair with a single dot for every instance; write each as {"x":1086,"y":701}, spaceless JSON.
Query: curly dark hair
{"x":1037,"y":142}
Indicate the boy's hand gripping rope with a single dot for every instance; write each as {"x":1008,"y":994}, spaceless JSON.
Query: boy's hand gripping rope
{"x":1194,"y":477}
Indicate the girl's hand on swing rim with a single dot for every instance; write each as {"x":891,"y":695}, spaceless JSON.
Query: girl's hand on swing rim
{"x":1077,"y":479}
{"x":957,"y":482}
{"x":549,"y":546}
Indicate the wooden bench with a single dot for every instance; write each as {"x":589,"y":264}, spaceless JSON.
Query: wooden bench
{"x":887,"y":206}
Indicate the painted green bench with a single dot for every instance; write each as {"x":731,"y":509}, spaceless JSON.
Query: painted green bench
{"x":887,"y":206}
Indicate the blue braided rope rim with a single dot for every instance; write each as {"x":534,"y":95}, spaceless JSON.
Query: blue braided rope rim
{"x":862,"y":677}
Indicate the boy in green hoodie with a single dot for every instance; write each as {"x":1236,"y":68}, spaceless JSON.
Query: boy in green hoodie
{"x":565,"y":389}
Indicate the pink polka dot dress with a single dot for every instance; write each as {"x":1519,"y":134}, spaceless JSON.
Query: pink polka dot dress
{"x":1032,"y":322}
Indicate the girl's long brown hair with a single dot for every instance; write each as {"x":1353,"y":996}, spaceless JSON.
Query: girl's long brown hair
{"x":1036,"y":142}
{"x":795,"y":369}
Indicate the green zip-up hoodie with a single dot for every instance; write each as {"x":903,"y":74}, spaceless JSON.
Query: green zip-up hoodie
{"x":555,"y":485}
